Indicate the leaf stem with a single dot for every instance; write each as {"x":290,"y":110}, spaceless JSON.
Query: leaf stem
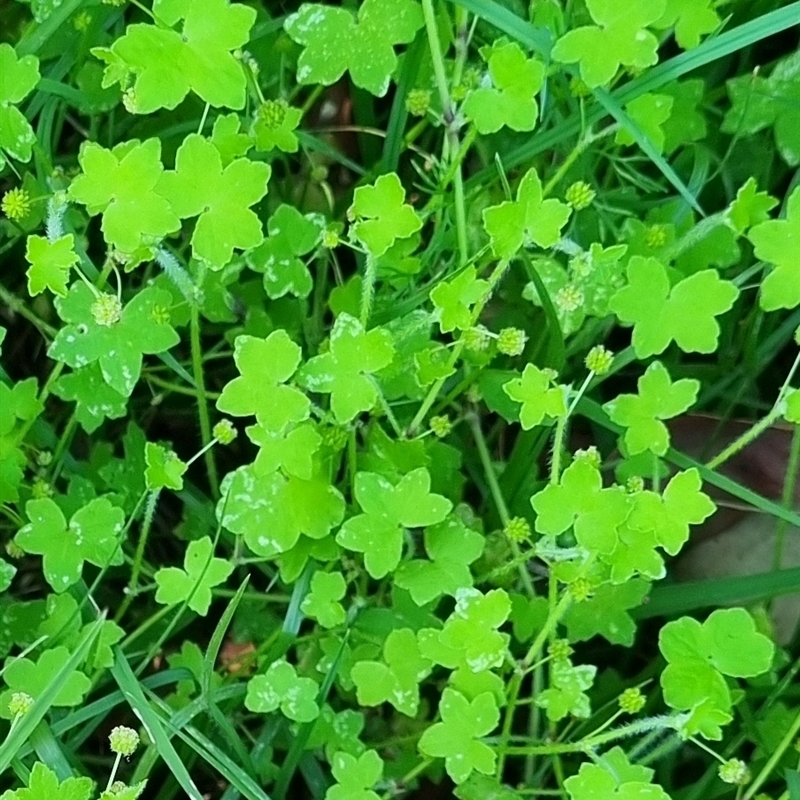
{"x":202,"y":400}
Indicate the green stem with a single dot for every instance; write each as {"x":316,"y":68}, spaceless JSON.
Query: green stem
{"x":745,"y":439}
{"x":787,"y":496}
{"x":138,"y":557}
{"x":368,"y":289}
{"x":202,"y":401}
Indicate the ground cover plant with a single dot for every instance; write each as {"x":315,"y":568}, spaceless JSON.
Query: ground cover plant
{"x":369,"y":370}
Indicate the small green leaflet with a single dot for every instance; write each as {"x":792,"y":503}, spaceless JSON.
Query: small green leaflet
{"x":50,"y":263}
{"x":334,"y":41}
{"x":219,"y":197}
{"x":455,"y":298}
{"x":691,"y":19}
{"x":17,"y":404}
{"x":322,"y":602}
{"x":164,"y":468}
{"x":687,"y":122}
{"x":650,"y":112}
{"x":291,"y":451}
{"x":18,"y":78}
{"x":566,"y":694}
{"x":758,"y":103}
{"x":281,"y":687}
{"x":614,"y":778}
{"x":451,"y":547}
{"x":605,"y":613}
{"x":396,"y":679}
{"x":92,"y":535}
{"x":388,"y":509}
{"x":96,"y":400}
{"x":684,"y":313}
{"x":345,"y":371}
{"x":541,"y":399}
{"x":529,"y":218}
{"x":274,"y":126}
{"x":456,"y":737}
{"x":272,"y":511}
{"x":355,"y":776}
{"x":143,"y":327}
{"x":43,"y":784}
{"x":381,"y":214}
{"x":121,"y":184}
{"x":620,"y":37}
{"x":157,"y":66}
{"x":580,"y":500}
{"x":750,"y":207}
{"x":777,"y":241}
{"x":509,"y":99}
{"x":699,"y":656}
{"x":265,"y":365}
{"x":291,"y":235}
{"x":201,"y":573}
{"x":24,"y":675}
{"x":642,"y":414}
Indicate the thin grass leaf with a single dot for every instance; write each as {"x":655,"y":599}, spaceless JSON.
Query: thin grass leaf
{"x":134,"y":694}
{"x":673,"y":599}
{"x":25,"y":727}
{"x":50,"y":751}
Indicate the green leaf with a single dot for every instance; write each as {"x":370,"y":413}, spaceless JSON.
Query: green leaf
{"x":758,"y":103}
{"x":274,"y":126}
{"x":18,"y":78}
{"x":396,"y":679}
{"x":265,"y":365}
{"x":272,"y":512}
{"x":43,"y":784}
{"x":121,"y":185}
{"x":750,"y":207}
{"x":345,"y":371}
{"x":381,"y":215}
{"x":164,"y":468}
{"x":642,"y":414}
{"x":605,"y":613}
{"x":92,"y":535}
{"x":454,"y":300}
{"x":291,"y":451}
{"x":281,"y":687}
{"x":649,"y":112}
{"x":388,"y":510}
{"x":777,"y":241}
{"x":792,"y":412}
{"x":219,"y":197}
{"x":201,"y":572}
{"x":541,"y":399}
{"x":455,"y":738}
{"x":691,"y":19}
{"x":509,"y":99}
{"x":620,"y":37}
{"x":613,"y":778}
{"x":163,"y":65}
{"x":451,"y":547}
{"x":322,"y":601}
{"x":529,"y":218}
{"x":355,"y":776}
{"x":117,"y":346}
{"x":228,"y":138}
{"x":24,"y":675}
{"x":125,"y":792}
{"x":580,"y":500}
{"x":566,"y":694}
{"x":335,"y":42}
{"x":684,"y":313}
{"x":96,"y":400}
{"x":291,"y":235}
{"x":699,"y":655}
{"x":686,"y":123}
{"x":50,"y":263}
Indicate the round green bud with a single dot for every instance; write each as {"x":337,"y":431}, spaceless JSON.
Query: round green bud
{"x":273,"y":112}
{"x":655,"y":236}
{"x":160,"y":314}
{"x":581,"y":589}
{"x":40,"y":488}
{"x":44,"y":458}
{"x":330,"y":239}
{"x":418,"y":102}
{"x":511,"y":341}
{"x":16,"y":204}
{"x":20,"y":703}
{"x":106,"y":310}
{"x":476,"y":338}
{"x":560,"y":650}
{"x":632,"y":701}
{"x":568,"y":298}
{"x":634,"y":484}
{"x":580,"y":195}
{"x":517,"y":530}
{"x":334,"y":437}
{"x":599,"y":360}
{"x":441,"y":426}
{"x":123,"y":741}
{"x":319,"y":173}
{"x":734,"y":771}
{"x":590,"y":454}
{"x":224,"y":432}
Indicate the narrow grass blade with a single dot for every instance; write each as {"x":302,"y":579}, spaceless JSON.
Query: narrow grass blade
{"x":212,"y":651}
{"x":134,"y":694}
{"x":679,"y":598}
{"x":26,"y":725}
{"x":533,"y":37}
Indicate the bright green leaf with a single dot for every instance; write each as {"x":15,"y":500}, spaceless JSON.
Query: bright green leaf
{"x":282,"y":688}
{"x":50,"y":264}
